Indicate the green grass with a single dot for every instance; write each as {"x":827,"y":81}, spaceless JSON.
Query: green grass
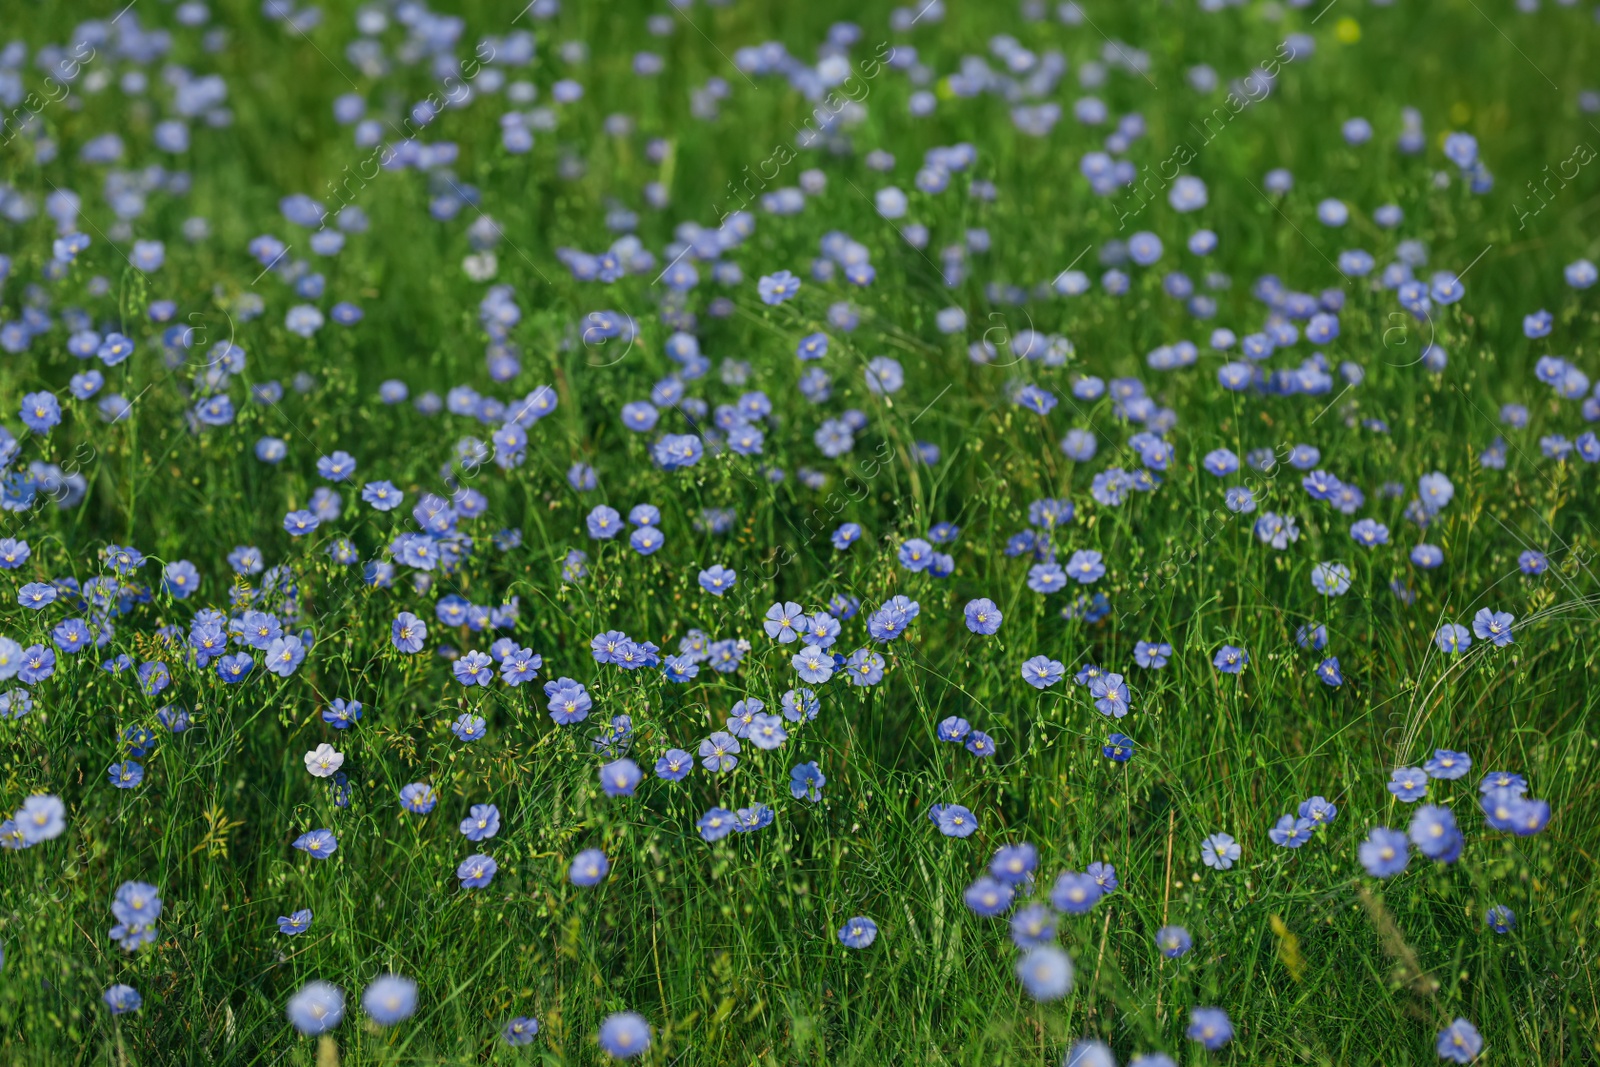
{"x":729,"y":949}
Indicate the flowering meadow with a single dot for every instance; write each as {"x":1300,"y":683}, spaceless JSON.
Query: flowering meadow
{"x":756,"y":532}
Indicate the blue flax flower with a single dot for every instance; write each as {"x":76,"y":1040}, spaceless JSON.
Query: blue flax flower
{"x":1384,"y":853}
{"x":1210,"y":1027}
{"x":858,"y":933}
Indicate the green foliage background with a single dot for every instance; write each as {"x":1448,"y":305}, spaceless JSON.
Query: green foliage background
{"x":729,"y":949}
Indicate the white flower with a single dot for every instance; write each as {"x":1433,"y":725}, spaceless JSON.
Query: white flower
{"x":324,"y":760}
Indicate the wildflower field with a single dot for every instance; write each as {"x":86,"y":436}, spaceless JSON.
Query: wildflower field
{"x":766,"y":532}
